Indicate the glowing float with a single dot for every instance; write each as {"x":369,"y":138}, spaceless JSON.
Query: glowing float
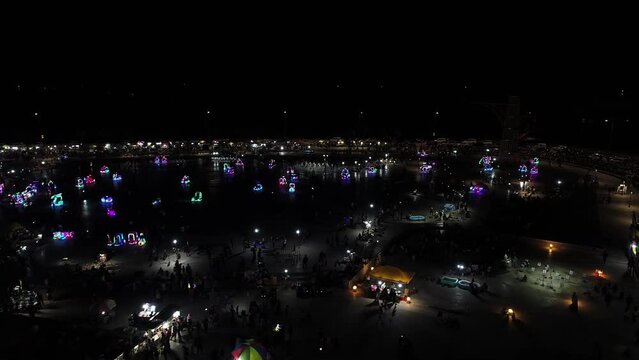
{"x":291,"y":187}
{"x":116,"y":177}
{"x":523,"y":169}
{"x":258,"y":187}
{"x":239,"y":162}
{"x":283,"y":181}
{"x":63,"y":235}
{"x":186,"y":180}
{"x":476,"y":189}
{"x":104,"y":170}
{"x":89,"y":179}
{"x":371,"y":170}
{"x":271,"y":164}
{"x":111,"y":212}
{"x":534,"y":170}
{"x":56,"y":200}
{"x":157,"y":202}
{"x":79,"y":183}
{"x":487,"y":163}
{"x":345,"y":174}
{"x":106,"y":200}
{"x":197,"y":197}
{"x":160,"y":160}
{"x":425,"y":168}
{"x":131,"y":239}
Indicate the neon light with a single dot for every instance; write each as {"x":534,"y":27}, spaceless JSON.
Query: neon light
{"x":197,"y":197}
{"x":534,"y":170}
{"x":523,"y":169}
{"x":228,"y":170}
{"x":160,"y":160}
{"x":258,"y":187}
{"x":425,"y":168}
{"x":141,"y":239}
{"x":56,"y":200}
{"x":476,"y":189}
{"x":89,"y":179}
{"x":63,"y":235}
{"x":345,"y":174}
{"x":79,"y":183}
{"x":371,"y":170}
{"x":1,"y":188}
{"x":132,"y":238}
{"x":291,"y":187}
{"x":117,"y":177}
{"x":186,"y":180}
{"x":283,"y":181}
{"x":535,"y":161}
{"x":239,"y":162}
{"x":104,"y":170}
{"x":111,"y":213}
{"x":294,"y":177}
{"x":117,"y":241}
{"x":106,"y":200}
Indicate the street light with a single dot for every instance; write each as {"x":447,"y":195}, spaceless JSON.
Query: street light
{"x":256,"y":230}
{"x":372,"y":205}
{"x":174,"y":241}
{"x":297,"y":231}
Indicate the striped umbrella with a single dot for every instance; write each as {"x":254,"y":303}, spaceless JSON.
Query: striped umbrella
{"x":250,"y":350}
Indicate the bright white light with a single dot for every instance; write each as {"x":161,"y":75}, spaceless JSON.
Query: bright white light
{"x":399,"y":285}
{"x":286,"y":271}
{"x":297,"y":231}
{"x":281,"y":147}
{"x":176,"y":314}
{"x":372,"y":206}
{"x":174,"y":241}
{"x":558,"y":182}
{"x":256,"y":230}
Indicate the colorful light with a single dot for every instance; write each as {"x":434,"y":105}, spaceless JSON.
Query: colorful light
{"x":523,"y":169}
{"x":239,"y":162}
{"x":63,"y":235}
{"x":476,"y":189}
{"x":157,"y":202}
{"x":79,"y":183}
{"x":197,"y":197}
{"x":186,"y":180}
{"x":294,"y":177}
{"x":258,"y":187}
{"x":535,"y":161}
{"x":291,"y":187}
{"x":111,"y":213}
{"x":56,"y":200}
{"x":1,"y":188}
{"x":104,"y":170}
{"x":271,"y":164}
{"x":117,"y":177}
{"x":425,"y":168}
{"x":345,"y":174}
{"x":106,"y":200}
{"x":160,"y":160}
{"x":283,"y":181}
{"x":534,"y":170}
{"x":89,"y":179}
{"x":132,"y":239}
{"x":371,"y":170}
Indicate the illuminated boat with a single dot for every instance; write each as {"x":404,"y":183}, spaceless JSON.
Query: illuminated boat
{"x":89,"y":179}
{"x":197,"y":197}
{"x":425,"y":168}
{"x":56,"y":200}
{"x":258,"y":187}
{"x":79,"y":183}
{"x":345,"y":174}
{"x":106,"y":200}
{"x":186,"y":180}
{"x":116,"y":177}
{"x":283,"y":181}
{"x":104,"y":170}
{"x":291,"y":187}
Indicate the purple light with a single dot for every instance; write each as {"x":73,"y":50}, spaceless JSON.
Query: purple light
{"x":283,"y":181}
{"x":476,"y":189}
{"x":106,"y":200}
{"x":345,"y":174}
{"x":271,"y":164}
{"x":534,"y":170}
{"x":111,"y":213}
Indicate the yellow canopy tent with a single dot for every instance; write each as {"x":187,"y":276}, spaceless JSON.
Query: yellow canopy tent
{"x":391,"y":273}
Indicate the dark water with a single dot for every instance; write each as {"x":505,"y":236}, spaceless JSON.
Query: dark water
{"x":230,"y":206}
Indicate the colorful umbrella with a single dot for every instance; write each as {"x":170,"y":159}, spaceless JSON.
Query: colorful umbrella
{"x":250,"y":350}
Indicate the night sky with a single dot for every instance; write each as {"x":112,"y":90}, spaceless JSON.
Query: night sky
{"x":325,"y":93}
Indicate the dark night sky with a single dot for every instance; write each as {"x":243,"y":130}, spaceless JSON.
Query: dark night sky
{"x":158,"y":91}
